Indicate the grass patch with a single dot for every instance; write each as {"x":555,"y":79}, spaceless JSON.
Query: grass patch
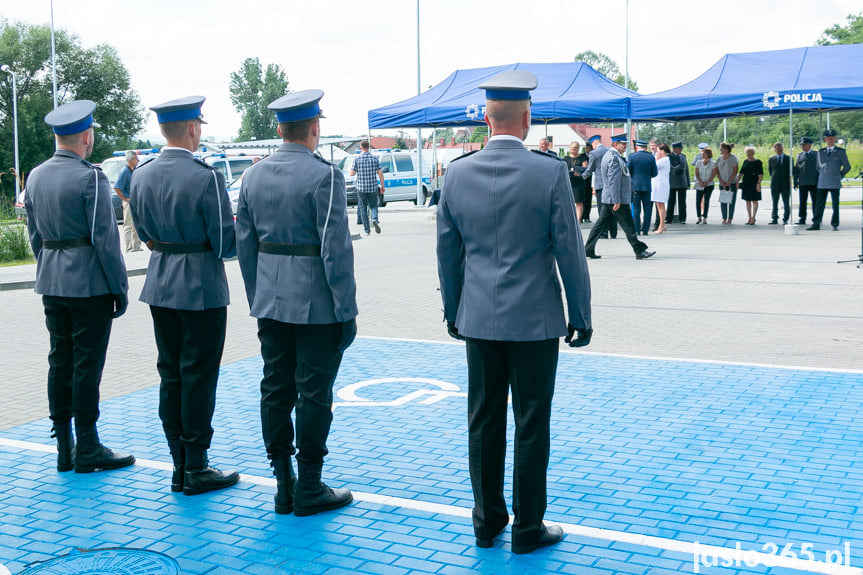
{"x":14,"y":243}
{"x":28,"y":261}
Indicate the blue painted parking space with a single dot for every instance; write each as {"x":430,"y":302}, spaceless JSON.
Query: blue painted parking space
{"x":648,"y":457}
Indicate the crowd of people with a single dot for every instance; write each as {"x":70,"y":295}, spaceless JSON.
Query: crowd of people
{"x":660,"y":179}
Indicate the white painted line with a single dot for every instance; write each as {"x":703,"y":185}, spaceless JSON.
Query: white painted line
{"x":633,"y":356}
{"x":692,"y":549}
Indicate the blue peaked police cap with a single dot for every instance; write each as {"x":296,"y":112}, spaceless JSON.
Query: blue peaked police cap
{"x":510,"y":85}
{"x":298,"y":106}
{"x":179,"y":110}
{"x":72,"y":118}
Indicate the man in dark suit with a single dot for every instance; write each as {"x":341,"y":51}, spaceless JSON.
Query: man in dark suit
{"x":82,"y":279}
{"x":779,"y":167}
{"x":182,"y":212}
{"x":642,"y":167}
{"x":679,"y":182}
{"x":806,"y":177}
{"x":506,"y":221}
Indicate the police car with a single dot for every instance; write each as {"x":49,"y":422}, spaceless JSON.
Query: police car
{"x":400,"y":175}
{"x":114,"y":165}
{"x":233,"y":166}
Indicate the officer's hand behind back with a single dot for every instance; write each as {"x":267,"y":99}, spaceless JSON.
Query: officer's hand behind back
{"x":453,"y":331}
{"x":582,"y":336}
{"x":349,"y":332}
{"x":121,"y":302}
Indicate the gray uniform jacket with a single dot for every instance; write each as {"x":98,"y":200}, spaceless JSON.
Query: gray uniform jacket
{"x":806,"y":169}
{"x":679,"y":174}
{"x":295,"y":197}
{"x":593,"y":163}
{"x":618,"y":183}
{"x":832,"y":168}
{"x":506,"y":215}
{"x":179,"y":199}
{"x":69,"y":198}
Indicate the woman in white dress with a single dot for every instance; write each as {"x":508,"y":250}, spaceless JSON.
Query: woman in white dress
{"x":660,"y":186}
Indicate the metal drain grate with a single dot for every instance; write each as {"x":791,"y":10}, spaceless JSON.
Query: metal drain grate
{"x":106,"y":562}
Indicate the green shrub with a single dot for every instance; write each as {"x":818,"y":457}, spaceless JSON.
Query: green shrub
{"x":14,"y":243}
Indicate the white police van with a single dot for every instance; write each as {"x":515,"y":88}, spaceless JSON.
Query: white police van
{"x":231,"y":166}
{"x":400,"y":175}
{"x":114,"y":165}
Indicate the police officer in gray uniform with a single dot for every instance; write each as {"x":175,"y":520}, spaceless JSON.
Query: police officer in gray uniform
{"x":616,"y":198}
{"x":594,"y":162}
{"x":82,"y":278}
{"x":182,"y":212}
{"x":295,"y":254}
{"x":832,"y":164}
{"x":506,"y":224}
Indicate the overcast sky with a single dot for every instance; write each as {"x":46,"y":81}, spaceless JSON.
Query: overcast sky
{"x":362,"y":54}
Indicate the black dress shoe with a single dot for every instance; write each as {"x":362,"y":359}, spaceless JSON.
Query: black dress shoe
{"x":593,"y":256}
{"x":835,"y":228}
{"x":801,"y":222}
{"x":551,"y":534}
{"x":643,"y":255}
{"x":772,"y":223}
{"x":813,"y":227}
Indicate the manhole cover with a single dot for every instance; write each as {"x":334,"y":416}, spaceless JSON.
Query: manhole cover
{"x":107,"y":562}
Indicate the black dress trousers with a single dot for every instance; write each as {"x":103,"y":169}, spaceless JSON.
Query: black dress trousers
{"x":300,"y":366}
{"x":79,"y":328}
{"x":527,"y":369}
{"x":607,"y":215}
{"x":190,"y":344}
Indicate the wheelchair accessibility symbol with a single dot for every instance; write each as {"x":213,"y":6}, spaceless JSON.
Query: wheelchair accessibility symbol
{"x":439,"y":390}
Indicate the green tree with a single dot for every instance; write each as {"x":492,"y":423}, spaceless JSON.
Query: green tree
{"x":479,"y":133}
{"x":849,"y":124}
{"x":850,"y":33}
{"x":605,"y":66}
{"x":252,"y":88}
{"x":82,"y":73}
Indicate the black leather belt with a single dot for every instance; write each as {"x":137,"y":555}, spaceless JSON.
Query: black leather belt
{"x":309,"y":250}
{"x":182,"y":248}
{"x":65,"y":244}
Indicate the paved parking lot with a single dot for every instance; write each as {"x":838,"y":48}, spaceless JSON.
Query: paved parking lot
{"x":717,"y":403}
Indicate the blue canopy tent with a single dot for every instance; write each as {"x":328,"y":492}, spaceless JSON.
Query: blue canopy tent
{"x":817,"y":78}
{"x":566,"y":93}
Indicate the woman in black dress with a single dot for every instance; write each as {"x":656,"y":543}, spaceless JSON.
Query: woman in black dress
{"x":577,"y":163}
{"x":751,"y":173}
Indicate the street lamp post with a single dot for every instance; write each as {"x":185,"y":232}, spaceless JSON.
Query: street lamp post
{"x":53,"y":57}
{"x":6,"y":68}
{"x":420,"y":170}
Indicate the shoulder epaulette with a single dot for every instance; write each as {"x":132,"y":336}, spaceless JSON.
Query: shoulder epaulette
{"x":91,"y":166}
{"x":547,"y":155}
{"x":205,"y":164}
{"x":321,"y":158}
{"x":464,"y":156}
